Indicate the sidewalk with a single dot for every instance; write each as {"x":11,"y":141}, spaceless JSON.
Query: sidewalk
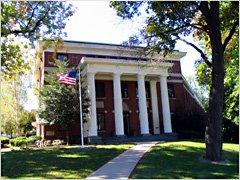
{"x":122,"y":166}
{"x":6,"y":150}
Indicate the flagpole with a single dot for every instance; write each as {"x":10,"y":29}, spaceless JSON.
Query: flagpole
{"x":80,"y":104}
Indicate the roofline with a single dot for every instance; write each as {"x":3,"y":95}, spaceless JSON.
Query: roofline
{"x":194,"y":95}
{"x":72,"y":46}
{"x":100,"y":43}
{"x":107,"y":44}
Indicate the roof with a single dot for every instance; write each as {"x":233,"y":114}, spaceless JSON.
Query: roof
{"x":99,"y":43}
{"x":107,"y":44}
{"x":109,"y":49}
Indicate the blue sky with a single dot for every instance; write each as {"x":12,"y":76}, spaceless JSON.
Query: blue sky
{"x":95,"y":21}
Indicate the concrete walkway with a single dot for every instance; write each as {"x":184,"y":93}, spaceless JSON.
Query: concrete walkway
{"x":6,"y":149}
{"x":122,"y":166}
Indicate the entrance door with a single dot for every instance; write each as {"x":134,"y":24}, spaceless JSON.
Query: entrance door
{"x":126,"y":121}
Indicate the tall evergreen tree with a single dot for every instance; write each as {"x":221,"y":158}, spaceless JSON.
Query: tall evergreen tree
{"x":59,"y":104}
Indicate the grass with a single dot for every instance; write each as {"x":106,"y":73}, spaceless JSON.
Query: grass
{"x":177,"y":160}
{"x":58,"y":163}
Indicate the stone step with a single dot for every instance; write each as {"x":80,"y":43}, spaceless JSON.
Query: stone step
{"x":115,"y":140}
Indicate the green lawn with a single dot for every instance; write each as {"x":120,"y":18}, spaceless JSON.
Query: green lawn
{"x":58,"y":163}
{"x":181,"y":160}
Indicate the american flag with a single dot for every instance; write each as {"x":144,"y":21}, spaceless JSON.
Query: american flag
{"x":68,"y":78}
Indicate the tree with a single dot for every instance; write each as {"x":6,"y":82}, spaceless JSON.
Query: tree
{"x":15,"y":57}
{"x":8,"y":118}
{"x":26,"y":120}
{"x":59,"y":104}
{"x":10,"y":105}
{"x":32,"y":20}
{"x":14,"y":119}
{"x":35,"y":19}
{"x":231,"y":95}
{"x":168,"y":22}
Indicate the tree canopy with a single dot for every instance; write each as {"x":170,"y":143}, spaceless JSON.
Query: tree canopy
{"x":231,"y":80}
{"x":168,"y":22}
{"x":32,"y":20}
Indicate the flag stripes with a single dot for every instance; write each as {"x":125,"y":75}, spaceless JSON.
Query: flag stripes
{"x":67,"y":78}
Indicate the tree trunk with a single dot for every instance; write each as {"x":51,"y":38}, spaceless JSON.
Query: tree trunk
{"x":214,"y":133}
{"x":17,"y":109}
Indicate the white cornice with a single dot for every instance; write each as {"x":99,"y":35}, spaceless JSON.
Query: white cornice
{"x":100,"y":65}
{"x":123,"y":62}
{"x":113,"y":50}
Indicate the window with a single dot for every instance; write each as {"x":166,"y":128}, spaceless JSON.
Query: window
{"x":100,"y":104}
{"x":62,"y":57}
{"x":124,"y":90}
{"x":100,"y":89}
{"x":49,"y":133}
{"x":100,"y":121}
{"x":171,"y":92}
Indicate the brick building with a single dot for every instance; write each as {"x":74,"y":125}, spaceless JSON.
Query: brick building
{"x":131,"y":94}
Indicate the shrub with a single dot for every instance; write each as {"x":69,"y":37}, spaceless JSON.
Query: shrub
{"x":4,"y":140}
{"x":189,"y":125}
{"x":47,"y":143}
{"x":23,"y":141}
{"x":18,"y":141}
{"x":33,"y":139}
{"x":57,"y":142}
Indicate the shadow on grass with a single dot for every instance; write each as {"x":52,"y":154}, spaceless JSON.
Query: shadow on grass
{"x":177,"y":160}
{"x":57,"y":163}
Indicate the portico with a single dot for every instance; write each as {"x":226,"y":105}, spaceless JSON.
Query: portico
{"x":139,"y":71}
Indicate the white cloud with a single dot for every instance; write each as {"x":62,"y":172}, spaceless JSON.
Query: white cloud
{"x":95,"y":21}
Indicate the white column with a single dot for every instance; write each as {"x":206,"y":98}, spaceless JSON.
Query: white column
{"x":165,"y":105}
{"x":154,"y":101}
{"x":118,"y":111}
{"x":92,"y":96}
{"x":142,"y":103}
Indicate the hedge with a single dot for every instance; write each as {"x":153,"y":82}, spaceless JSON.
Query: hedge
{"x":4,"y":140}
{"x":23,"y":141}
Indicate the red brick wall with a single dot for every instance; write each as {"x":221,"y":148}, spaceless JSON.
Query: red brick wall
{"x":49,"y":58}
{"x":176,"y":67}
{"x":74,"y":130}
{"x":107,"y":110}
{"x":133,"y":106}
